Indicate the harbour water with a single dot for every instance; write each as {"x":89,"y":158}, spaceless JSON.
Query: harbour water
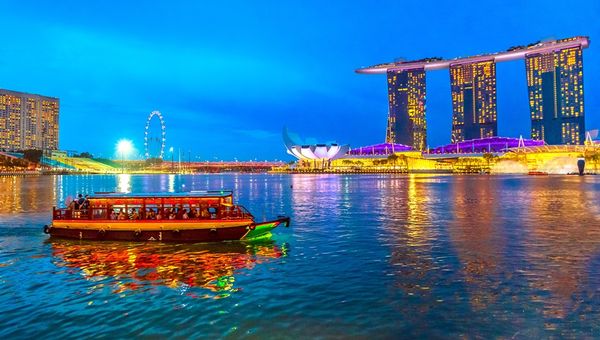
{"x":366,"y":255}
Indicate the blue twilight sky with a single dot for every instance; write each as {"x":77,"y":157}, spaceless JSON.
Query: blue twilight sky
{"x":229,"y":75}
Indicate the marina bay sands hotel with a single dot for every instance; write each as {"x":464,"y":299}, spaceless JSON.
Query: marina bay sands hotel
{"x":554,"y":81}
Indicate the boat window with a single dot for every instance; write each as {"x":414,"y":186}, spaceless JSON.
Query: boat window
{"x":120,"y":211}
{"x":151,"y":211}
{"x":213,"y":211}
{"x":134,"y":211}
{"x":99,"y":213}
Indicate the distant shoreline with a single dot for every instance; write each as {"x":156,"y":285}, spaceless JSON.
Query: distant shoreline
{"x":312,"y":172}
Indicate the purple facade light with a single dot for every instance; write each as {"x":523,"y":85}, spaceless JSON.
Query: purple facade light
{"x":379,"y":149}
{"x":483,"y":145}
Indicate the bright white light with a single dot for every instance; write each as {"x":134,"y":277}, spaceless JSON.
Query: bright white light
{"x":124,"y":147}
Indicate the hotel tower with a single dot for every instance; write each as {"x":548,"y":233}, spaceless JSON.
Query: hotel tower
{"x":28,"y":121}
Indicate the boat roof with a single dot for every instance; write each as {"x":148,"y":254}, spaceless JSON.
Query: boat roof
{"x":187,"y":194}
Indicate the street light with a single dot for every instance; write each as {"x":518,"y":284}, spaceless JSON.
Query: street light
{"x":124,"y":147}
{"x":171,"y":151}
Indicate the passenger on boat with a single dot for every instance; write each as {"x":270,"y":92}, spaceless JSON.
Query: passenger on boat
{"x":80,"y":201}
{"x":184,"y":215}
{"x":179,"y":214}
{"x":134,"y":215}
{"x":192,"y":214}
{"x":86,"y":203}
{"x":122,"y":215}
{"x":205,"y":213}
{"x":112,"y":215}
{"x":159,"y":216}
{"x":72,"y":205}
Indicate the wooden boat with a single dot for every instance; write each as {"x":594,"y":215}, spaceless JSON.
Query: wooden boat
{"x":198,"y":216}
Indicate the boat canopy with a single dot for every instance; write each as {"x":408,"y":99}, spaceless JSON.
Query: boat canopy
{"x":223,"y":197}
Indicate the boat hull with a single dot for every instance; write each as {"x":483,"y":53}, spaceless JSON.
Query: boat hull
{"x":179,"y":232}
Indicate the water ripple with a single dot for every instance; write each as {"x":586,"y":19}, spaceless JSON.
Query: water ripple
{"x":373,"y":255}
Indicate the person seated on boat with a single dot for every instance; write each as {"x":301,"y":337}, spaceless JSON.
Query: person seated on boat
{"x":158,"y":215}
{"x":234,"y":212}
{"x":179,"y":214}
{"x":112,"y":215}
{"x":172,"y":215}
{"x":86,"y":203}
{"x":122,"y":215}
{"x":205,"y":213}
{"x":72,"y":205}
{"x":151,"y":215}
{"x":184,"y":215}
{"x":192,"y":214}
{"x":134,"y":215}
{"x":80,"y":201}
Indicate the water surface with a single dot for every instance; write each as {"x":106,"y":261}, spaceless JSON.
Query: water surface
{"x":366,"y":255}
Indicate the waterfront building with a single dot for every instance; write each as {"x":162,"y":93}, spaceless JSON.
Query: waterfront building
{"x":317,"y":155}
{"x":555,"y":84}
{"x":406,"y":118}
{"x":473,"y":88}
{"x":28,"y":121}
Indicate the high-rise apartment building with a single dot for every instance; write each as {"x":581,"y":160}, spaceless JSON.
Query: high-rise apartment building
{"x":28,"y":121}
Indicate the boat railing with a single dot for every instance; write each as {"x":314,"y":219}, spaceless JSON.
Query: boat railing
{"x":70,"y":214}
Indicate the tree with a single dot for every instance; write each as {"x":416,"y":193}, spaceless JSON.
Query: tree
{"x":404,"y":161}
{"x":32,"y":155}
{"x":488,"y":157}
{"x":84,"y":155}
{"x":153,"y":161}
{"x":593,"y":158}
{"x":393,"y":158}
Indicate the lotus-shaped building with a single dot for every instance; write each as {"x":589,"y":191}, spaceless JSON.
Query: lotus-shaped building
{"x":305,"y":151}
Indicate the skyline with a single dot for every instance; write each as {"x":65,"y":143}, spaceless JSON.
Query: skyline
{"x":228,"y":79}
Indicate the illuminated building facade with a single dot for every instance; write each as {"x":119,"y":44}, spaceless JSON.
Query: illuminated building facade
{"x":555,"y":84}
{"x":28,"y":121}
{"x":473,"y":88}
{"x":406,"y":119}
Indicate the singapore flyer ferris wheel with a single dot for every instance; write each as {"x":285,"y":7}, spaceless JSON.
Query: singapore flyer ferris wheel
{"x":155,"y":136}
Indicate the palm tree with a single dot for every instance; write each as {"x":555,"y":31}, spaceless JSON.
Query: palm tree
{"x":593,"y":157}
{"x":393,"y":158}
{"x":488,"y":158}
{"x":404,"y":161}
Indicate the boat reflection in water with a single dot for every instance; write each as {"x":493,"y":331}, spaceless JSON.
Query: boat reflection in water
{"x":132,"y":267}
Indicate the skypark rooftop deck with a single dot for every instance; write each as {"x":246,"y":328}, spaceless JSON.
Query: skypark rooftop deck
{"x":515,"y":52}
